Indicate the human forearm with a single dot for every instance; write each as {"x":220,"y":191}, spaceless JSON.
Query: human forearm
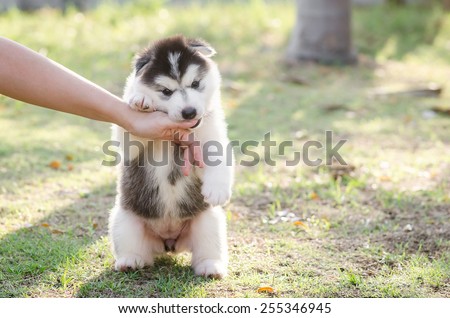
{"x":27,"y":76}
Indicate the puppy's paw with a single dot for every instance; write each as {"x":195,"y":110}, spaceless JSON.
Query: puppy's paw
{"x":216,"y":193}
{"x":211,"y":268}
{"x":141,"y":103}
{"x":129,"y":263}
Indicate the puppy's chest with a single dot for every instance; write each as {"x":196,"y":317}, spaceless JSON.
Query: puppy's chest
{"x":153,"y":186}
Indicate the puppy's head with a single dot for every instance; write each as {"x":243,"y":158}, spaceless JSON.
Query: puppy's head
{"x":178,"y":76}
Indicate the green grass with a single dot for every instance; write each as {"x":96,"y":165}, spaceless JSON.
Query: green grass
{"x":380,"y":230}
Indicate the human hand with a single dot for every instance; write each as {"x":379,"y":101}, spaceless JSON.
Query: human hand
{"x":157,"y":125}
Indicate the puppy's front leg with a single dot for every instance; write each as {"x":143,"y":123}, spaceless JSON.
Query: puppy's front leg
{"x":217,"y":183}
{"x":218,"y":171}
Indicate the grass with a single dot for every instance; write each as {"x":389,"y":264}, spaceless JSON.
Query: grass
{"x":380,"y":230}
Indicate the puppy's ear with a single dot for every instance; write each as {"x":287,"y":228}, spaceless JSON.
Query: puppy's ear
{"x":140,"y":61}
{"x":202,"y":47}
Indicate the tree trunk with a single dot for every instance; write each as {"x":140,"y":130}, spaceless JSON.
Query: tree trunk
{"x":446,"y":4}
{"x":322,"y":32}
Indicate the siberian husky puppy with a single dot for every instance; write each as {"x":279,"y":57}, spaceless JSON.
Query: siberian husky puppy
{"x":158,"y":209}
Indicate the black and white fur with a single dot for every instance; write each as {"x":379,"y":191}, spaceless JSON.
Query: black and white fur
{"x":157,"y":208}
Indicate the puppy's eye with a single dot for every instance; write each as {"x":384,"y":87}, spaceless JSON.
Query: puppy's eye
{"x":167,"y":92}
{"x":195,"y":84}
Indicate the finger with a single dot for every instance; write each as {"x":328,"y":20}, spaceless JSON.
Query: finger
{"x":186,"y":169}
{"x":186,"y":124}
{"x":198,"y":156}
{"x":183,"y":136}
{"x":177,"y":135}
{"x":167,"y":123}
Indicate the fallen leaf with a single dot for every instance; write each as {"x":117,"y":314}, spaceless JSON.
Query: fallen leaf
{"x":385,"y":178}
{"x":70,"y":167}
{"x":55,"y":164}
{"x":314,"y":196}
{"x":407,"y":119}
{"x":94,"y":225}
{"x":55,"y":231}
{"x":45,"y":225}
{"x":266,"y":289}
{"x":69,"y":157}
{"x":301,"y":224}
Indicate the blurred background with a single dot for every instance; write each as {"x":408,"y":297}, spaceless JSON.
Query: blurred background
{"x":375,"y":73}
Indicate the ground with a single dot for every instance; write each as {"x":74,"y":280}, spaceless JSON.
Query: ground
{"x":375,"y":227}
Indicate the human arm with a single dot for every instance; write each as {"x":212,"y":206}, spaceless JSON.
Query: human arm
{"x":32,"y":78}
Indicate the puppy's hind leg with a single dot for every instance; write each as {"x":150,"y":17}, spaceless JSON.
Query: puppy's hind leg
{"x":131,"y":247}
{"x":209,"y":243}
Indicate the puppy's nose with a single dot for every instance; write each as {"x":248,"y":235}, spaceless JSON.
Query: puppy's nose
{"x":189,"y":112}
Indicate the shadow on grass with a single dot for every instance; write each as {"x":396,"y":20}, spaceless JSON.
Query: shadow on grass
{"x":63,"y":252}
{"x":37,"y":255}
{"x":29,"y":257}
{"x":169,"y":277}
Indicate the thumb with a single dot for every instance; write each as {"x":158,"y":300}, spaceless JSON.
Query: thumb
{"x":169,"y":124}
